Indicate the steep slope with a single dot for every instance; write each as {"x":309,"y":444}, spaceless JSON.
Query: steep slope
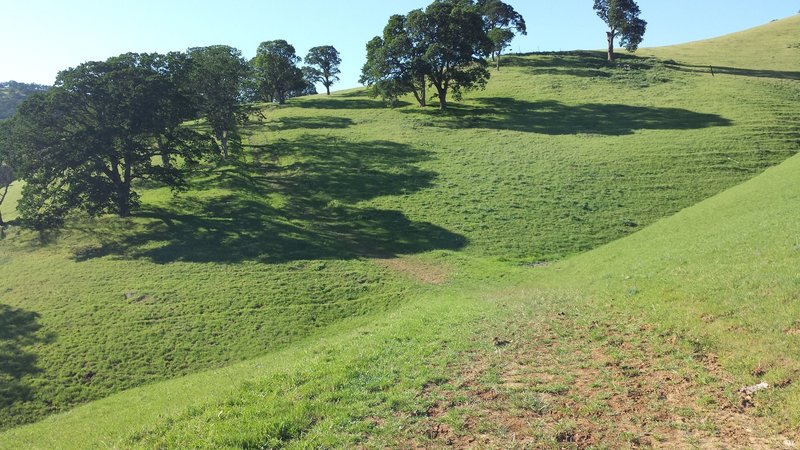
{"x":559,"y":155}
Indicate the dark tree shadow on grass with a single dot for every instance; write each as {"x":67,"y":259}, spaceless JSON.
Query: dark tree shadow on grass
{"x":311,"y":123}
{"x":316,"y":218}
{"x":337,"y":102}
{"x":736,"y":71}
{"x":18,"y":329}
{"x":556,"y":118}
{"x":589,"y":64}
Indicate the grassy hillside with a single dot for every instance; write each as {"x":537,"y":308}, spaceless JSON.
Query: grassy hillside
{"x":409,"y":219}
{"x":768,"y":51}
{"x":8,"y":208}
{"x":636,"y":343}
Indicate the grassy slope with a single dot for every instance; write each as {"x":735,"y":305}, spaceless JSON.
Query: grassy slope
{"x":592,"y":165}
{"x":730,"y":258}
{"x":7,"y":209}
{"x":745,"y":51}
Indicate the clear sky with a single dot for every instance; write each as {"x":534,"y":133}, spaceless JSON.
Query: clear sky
{"x":40,"y":37}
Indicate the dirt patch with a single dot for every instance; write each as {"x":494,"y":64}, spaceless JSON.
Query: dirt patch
{"x":562,"y":385}
{"x":420,"y":271}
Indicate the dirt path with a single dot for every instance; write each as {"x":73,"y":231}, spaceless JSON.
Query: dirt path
{"x":424,"y":272}
{"x":558,"y":384}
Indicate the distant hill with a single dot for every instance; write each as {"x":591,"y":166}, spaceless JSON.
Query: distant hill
{"x":12,"y":93}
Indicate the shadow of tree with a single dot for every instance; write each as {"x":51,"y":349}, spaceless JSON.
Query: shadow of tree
{"x":590,"y":64}
{"x":717,"y":70}
{"x":312,"y":123}
{"x":556,"y":118}
{"x":336,"y":102}
{"x":18,"y":329}
{"x":316,"y":218}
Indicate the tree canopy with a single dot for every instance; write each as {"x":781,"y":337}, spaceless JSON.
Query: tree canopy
{"x":216,"y":77}
{"x":441,"y":46}
{"x":13,"y":93}
{"x":394,"y":63}
{"x":622,"y":18}
{"x":323,"y":66}
{"x":82,"y":144}
{"x":502,"y":22}
{"x":276,"y":71}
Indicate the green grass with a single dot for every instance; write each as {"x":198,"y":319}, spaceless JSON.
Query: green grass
{"x":281,"y":256}
{"x":8,"y":207}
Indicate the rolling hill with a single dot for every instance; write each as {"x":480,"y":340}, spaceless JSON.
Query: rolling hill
{"x":572,"y":257}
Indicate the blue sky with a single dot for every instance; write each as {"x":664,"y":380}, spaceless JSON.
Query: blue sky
{"x":40,"y":37}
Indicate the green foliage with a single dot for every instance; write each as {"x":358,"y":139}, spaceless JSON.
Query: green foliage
{"x":440,"y":46}
{"x":13,"y":93}
{"x":450,"y":36}
{"x":83,"y":143}
{"x":324,"y":64}
{"x":394,"y":64}
{"x":622,"y":18}
{"x":216,"y":77}
{"x":278,"y":77}
{"x":501,"y":22}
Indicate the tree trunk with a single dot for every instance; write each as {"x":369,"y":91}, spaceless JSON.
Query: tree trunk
{"x":498,"y":61}
{"x":611,"y":35}
{"x":441,"y":91}
{"x":224,"y":141}
{"x":165,"y":156}
{"x":124,"y":191}
{"x":2,"y":199}
{"x":420,"y":93}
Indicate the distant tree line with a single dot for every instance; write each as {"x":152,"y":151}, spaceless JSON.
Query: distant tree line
{"x":84,"y":143}
{"x":446,"y":46}
{"x":13,"y":93}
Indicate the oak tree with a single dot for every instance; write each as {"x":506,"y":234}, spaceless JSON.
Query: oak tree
{"x":323,"y":66}
{"x":394,"y":64}
{"x":502,"y":22}
{"x":622,"y":18}
{"x":276,"y":71}
{"x":451,"y":38}
{"x":216,"y":76}
{"x":441,"y":46}
{"x":82,"y":144}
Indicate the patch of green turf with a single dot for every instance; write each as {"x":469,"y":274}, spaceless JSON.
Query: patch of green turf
{"x":8,"y":208}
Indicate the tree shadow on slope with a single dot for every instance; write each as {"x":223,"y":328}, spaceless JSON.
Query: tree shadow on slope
{"x":580,"y":63}
{"x":18,"y":329}
{"x":736,"y":71}
{"x":340,"y":102}
{"x":555,"y":118}
{"x":311,"y":123}
{"x":306,"y":209}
